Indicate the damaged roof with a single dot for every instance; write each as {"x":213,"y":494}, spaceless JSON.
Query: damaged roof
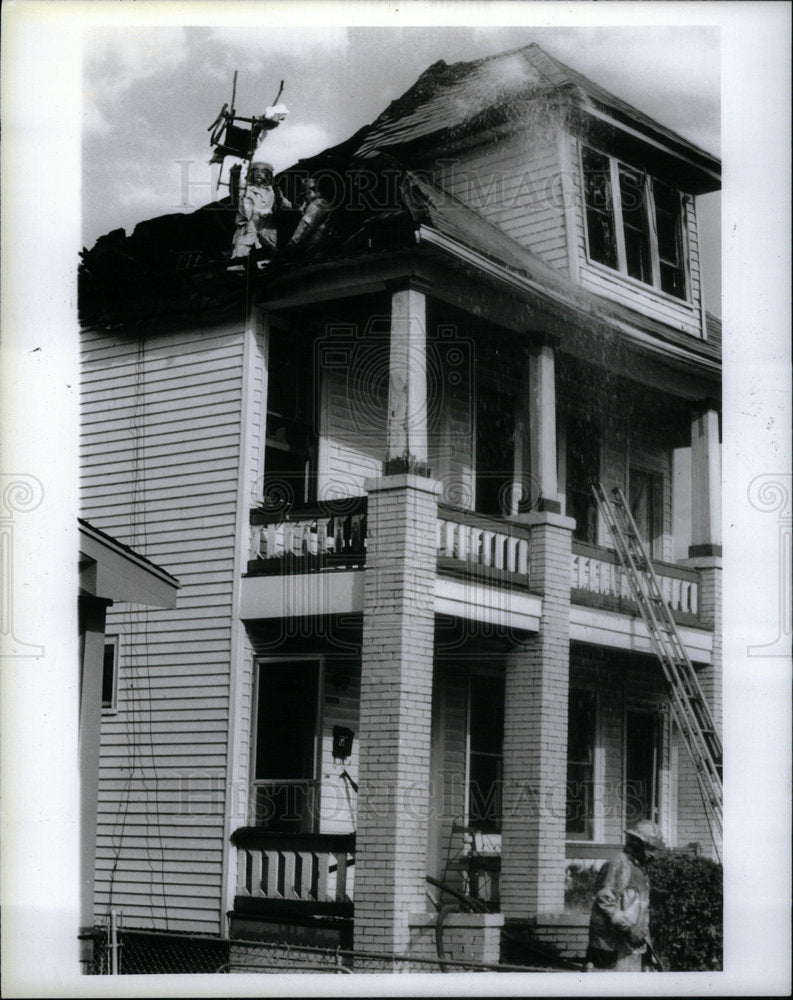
{"x":450,"y":102}
{"x":176,"y":267}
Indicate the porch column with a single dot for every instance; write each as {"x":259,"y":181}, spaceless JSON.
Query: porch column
{"x":397,"y":654}
{"x":535,"y":735}
{"x":406,"y":439}
{"x":542,"y":425}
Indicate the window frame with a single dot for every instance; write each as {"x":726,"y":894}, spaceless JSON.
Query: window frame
{"x":597,"y":769}
{"x":660,"y":712}
{"x":656,"y":543}
{"x":651,"y":223}
{"x":489,"y":835}
{"x":111,"y":707}
{"x":316,"y":780}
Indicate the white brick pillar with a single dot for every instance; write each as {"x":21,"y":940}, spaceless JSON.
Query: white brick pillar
{"x":395,"y":714}
{"x":397,"y":653}
{"x":535,"y":735}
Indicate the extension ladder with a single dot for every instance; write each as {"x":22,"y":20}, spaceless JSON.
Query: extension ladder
{"x":689,"y":708}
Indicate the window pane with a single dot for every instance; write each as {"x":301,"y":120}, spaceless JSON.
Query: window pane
{"x":642,"y":753}
{"x":581,"y":734}
{"x":287,"y":720}
{"x":645,"y":504}
{"x":599,"y":208}
{"x":634,"y":221}
{"x":109,"y":676}
{"x":486,"y":737}
{"x":669,"y":224}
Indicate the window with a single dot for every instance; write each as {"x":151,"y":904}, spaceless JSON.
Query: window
{"x":581,"y":737}
{"x":291,"y":447}
{"x":583,"y":469}
{"x":495,"y":450}
{"x":645,"y":501}
{"x":634,"y":224}
{"x":110,"y":674}
{"x":642,"y":765}
{"x":285,"y":764}
{"x":485,"y":752}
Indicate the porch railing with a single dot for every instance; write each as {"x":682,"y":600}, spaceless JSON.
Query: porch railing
{"x":488,"y":545}
{"x":328,"y":535}
{"x":312,"y":870}
{"x":597,"y":571}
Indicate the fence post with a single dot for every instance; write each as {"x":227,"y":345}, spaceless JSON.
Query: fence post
{"x":113,"y":943}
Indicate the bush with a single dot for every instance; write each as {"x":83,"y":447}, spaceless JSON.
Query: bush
{"x":686,"y":911}
{"x":579,"y":887}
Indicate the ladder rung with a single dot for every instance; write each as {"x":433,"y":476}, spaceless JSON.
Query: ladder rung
{"x":690,"y":709}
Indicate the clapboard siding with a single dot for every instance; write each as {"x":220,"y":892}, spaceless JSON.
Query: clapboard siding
{"x":161,"y":457}
{"x":680,"y":315}
{"x":515,"y":184}
{"x":354,"y":446}
{"x":338,"y":802}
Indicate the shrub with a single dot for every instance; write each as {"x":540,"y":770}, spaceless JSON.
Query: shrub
{"x":686,"y":911}
{"x":579,"y":887}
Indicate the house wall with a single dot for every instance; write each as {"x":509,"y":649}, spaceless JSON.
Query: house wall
{"x":352,"y":424}
{"x":162,"y":456}
{"x":516,"y":184}
{"x":684,"y":316}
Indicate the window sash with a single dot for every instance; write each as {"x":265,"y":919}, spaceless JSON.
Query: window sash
{"x":623,"y":222}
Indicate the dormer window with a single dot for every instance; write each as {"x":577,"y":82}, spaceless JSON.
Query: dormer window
{"x":634,"y":223}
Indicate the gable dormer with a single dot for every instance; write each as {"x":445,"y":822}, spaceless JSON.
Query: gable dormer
{"x":587,"y":183}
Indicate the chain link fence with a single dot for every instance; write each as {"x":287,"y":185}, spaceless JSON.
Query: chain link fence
{"x":140,"y":952}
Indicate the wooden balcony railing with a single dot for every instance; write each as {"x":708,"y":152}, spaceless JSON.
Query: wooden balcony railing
{"x":597,"y":572}
{"x":309,"y":539}
{"x":294,"y":871}
{"x":487,"y":546}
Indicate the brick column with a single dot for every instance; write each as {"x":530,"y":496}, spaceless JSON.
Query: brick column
{"x":535,"y":735}
{"x":395,"y":715}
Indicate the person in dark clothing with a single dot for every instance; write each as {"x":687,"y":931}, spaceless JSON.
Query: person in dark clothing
{"x":619,"y":925}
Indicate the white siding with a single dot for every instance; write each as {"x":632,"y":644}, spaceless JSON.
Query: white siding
{"x":353,"y":427}
{"x":515,"y":184}
{"x":161,"y":463}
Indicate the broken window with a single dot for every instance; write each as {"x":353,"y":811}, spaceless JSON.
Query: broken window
{"x":485,"y":752}
{"x":633,"y":227}
{"x":581,"y":737}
